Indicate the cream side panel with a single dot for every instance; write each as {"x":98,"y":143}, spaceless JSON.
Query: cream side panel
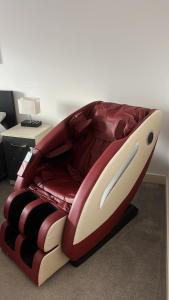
{"x":51,"y":262}
{"x":94,"y":213}
{"x":54,"y":234}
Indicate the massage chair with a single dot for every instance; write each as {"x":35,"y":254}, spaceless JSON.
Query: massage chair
{"x":75,"y":187}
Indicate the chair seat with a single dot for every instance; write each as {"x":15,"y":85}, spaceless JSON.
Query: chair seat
{"x":62,"y":182}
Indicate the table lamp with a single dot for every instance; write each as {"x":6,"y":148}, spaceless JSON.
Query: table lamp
{"x":29,"y":106}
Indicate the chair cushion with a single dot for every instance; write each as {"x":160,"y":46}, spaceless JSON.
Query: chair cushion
{"x":61,"y":182}
{"x":105,"y":130}
{"x":78,"y":123}
{"x":60,"y":149}
{"x":86,"y":151}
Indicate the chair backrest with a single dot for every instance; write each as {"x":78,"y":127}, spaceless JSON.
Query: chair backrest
{"x":92,"y":134}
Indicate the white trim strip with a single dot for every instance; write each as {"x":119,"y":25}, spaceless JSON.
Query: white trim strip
{"x":118,"y":174}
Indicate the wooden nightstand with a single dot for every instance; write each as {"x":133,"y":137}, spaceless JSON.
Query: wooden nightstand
{"x":16,"y":143}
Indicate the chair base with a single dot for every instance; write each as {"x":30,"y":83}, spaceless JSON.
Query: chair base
{"x":130,"y":213}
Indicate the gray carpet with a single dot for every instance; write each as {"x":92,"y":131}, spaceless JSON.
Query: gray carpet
{"x":131,"y":266}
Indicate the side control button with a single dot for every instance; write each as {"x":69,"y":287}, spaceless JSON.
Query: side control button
{"x":150,"y":138}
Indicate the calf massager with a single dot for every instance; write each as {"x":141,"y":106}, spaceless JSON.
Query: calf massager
{"x":75,"y":187}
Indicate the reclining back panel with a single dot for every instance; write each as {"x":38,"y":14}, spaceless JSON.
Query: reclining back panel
{"x":86,"y":151}
{"x":92,"y":134}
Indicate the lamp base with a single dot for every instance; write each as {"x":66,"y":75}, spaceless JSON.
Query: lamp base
{"x":31,"y":123}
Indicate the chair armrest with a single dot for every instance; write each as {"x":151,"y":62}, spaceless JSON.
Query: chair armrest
{"x":60,"y":149}
{"x":27,"y":169}
{"x":54,"y":138}
{"x":58,"y":135}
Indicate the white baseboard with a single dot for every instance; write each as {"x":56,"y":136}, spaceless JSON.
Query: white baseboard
{"x":154,"y":178}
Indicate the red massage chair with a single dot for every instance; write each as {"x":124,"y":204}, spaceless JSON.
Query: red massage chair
{"x":74,"y":189}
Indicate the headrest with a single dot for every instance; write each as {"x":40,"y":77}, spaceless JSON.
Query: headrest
{"x":103,"y":109}
{"x":138,"y":113}
{"x":115,"y":121}
{"x":128,"y":120}
{"x":108,"y":130}
{"x":110,"y":121}
{"x":78,"y":123}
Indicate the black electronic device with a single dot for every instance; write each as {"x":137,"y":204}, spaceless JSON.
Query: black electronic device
{"x":31,"y":123}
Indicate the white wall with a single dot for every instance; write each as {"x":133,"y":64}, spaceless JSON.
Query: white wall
{"x":71,"y":52}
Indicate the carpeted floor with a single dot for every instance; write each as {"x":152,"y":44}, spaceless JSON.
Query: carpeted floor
{"x":131,"y":266}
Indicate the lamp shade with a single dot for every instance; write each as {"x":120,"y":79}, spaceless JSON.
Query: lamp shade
{"x":29,"y":106}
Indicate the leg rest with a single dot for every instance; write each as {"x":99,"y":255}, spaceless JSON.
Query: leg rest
{"x":39,"y":266}
{"x":35,"y":218}
{"x":43,"y":224}
{"x":15,"y":203}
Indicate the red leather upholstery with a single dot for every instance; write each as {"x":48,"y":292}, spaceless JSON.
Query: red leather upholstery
{"x":60,"y":150}
{"x":60,"y":182}
{"x":115,"y":120}
{"x":86,"y":136}
{"x":78,"y":123}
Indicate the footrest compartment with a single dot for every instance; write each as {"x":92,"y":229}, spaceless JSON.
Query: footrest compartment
{"x":33,"y":216}
{"x":11,"y":236}
{"x":39,"y":266}
{"x":15,"y":204}
{"x":43,"y":223}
